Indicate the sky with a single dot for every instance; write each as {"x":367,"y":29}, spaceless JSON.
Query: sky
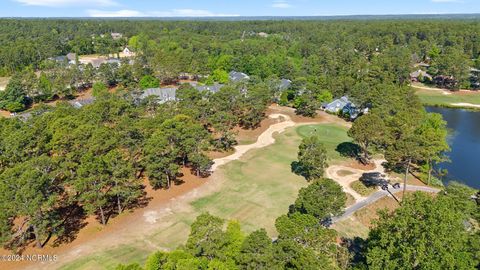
{"x":224,"y":8}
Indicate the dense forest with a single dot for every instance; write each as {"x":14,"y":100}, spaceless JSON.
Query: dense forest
{"x":59,"y":163}
{"x":341,"y":57}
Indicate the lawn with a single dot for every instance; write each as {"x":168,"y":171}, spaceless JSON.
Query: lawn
{"x":254,"y":190}
{"x":437,"y":98}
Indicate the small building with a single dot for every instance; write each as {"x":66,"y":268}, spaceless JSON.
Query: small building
{"x":127,"y":52}
{"x":163,"y":94}
{"x":72,"y":58}
{"x":116,"y":36}
{"x":263,"y":34}
{"x":420,"y":75}
{"x":235,"y":76}
{"x":284,"y":84}
{"x":79,"y":103}
{"x":210,"y":88}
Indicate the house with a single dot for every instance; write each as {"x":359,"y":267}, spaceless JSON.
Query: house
{"x":72,"y":58}
{"x":337,"y":105}
{"x":127,"y":52}
{"x":263,"y":34}
{"x":163,"y":94}
{"x":284,"y":84}
{"x":79,"y":103}
{"x":210,"y":88}
{"x":235,"y":76}
{"x":420,"y":75}
{"x":116,"y":36}
{"x":59,"y":59}
{"x":345,"y":106}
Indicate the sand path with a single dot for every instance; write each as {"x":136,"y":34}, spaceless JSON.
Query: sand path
{"x":333,"y":172}
{"x":265,"y":139}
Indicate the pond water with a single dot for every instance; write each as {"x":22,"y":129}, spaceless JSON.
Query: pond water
{"x":464,"y":141}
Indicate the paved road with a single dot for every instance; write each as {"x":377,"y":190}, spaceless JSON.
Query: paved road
{"x":377,"y":196}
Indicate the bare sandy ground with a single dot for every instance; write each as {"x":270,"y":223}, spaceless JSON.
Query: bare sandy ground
{"x":346,"y":180}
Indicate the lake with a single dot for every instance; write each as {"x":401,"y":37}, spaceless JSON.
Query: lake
{"x":464,"y":141}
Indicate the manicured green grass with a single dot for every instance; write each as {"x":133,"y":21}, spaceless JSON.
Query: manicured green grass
{"x":332,"y":135}
{"x":437,"y":98}
{"x":255,"y":190}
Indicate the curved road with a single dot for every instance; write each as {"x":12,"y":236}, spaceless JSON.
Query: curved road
{"x":377,"y":196}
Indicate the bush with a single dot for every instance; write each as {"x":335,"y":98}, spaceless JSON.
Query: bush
{"x":149,"y":81}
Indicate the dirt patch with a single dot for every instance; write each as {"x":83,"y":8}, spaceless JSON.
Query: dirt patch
{"x":5,"y":114}
{"x":249,"y":136}
{"x":218,"y":154}
{"x":360,"y":166}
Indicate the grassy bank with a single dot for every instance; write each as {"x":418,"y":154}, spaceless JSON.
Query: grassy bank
{"x":440,"y":99}
{"x":254,"y":190}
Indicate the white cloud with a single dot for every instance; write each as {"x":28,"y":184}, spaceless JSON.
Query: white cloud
{"x":57,"y":3}
{"x":281,"y":4}
{"x":171,"y":13}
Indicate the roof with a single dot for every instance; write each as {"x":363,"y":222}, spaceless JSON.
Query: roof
{"x":72,"y":56}
{"x":338,"y":104}
{"x":236,"y":76}
{"x":419,"y":73}
{"x":163,"y":94}
{"x":284,"y":84}
{"x":210,"y":88}
{"x":79,"y":103}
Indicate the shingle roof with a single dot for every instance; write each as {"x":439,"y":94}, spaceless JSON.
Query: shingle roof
{"x":163,"y":94}
{"x":238,"y":76}
{"x":211,"y":88}
{"x":284,"y":84}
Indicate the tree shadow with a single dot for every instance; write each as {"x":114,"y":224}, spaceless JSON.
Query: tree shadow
{"x":373,"y":179}
{"x":356,"y":247}
{"x":71,"y":225}
{"x":349,"y":149}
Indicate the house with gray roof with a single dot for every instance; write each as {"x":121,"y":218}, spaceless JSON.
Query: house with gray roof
{"x":236,"y":76}
{"x":163,"y":94}
{"x":79,"y":103}
{"x":284,"y":84}
{"x":345,"y":106}
{"x":419,"y":75}
{"x":337,"y":105}
{"x":210,"y":88}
